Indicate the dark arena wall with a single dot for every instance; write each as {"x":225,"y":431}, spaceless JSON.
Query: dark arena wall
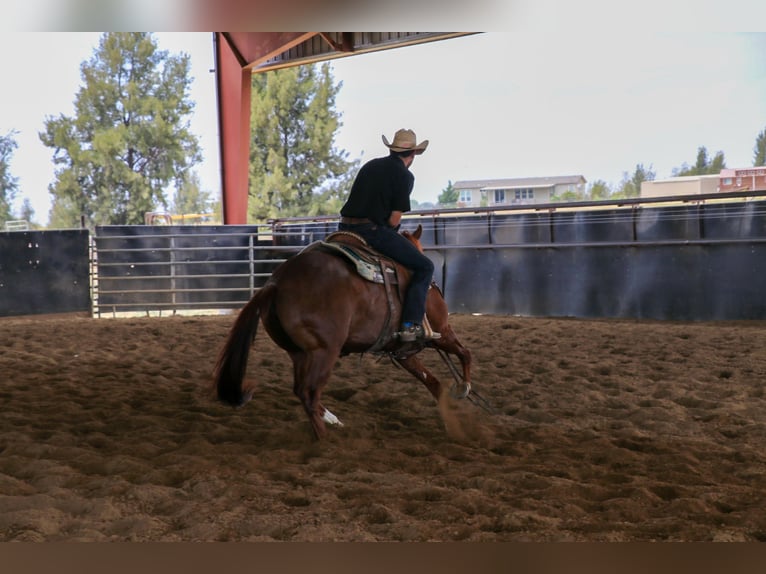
{"x":691,"y":261}
{"x":683,"y":261}
{"x":44,"y":272}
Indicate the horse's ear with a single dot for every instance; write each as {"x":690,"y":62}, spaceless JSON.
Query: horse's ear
{"x":418,"y":232}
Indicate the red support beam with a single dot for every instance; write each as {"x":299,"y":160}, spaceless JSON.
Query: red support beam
{"x":237,"y":56}
{"x":234,"y":90}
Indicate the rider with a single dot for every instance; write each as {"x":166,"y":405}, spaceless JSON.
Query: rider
{"x":379,"y":196}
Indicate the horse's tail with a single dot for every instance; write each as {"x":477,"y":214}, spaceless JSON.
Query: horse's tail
{"x":232,"y":362}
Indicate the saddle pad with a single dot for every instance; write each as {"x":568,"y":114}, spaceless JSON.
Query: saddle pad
{"x":366,"y":269}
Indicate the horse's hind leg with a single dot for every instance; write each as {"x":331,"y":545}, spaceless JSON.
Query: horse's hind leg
{"x":311,"y":371}
{"x":449,"y":343}
{"x":415,"y":366}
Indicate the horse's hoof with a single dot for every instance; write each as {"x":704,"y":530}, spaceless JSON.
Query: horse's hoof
{"x":460,"y":390}
{"x":246,"y":397}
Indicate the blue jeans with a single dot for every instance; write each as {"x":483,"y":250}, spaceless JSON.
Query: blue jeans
{"x":391,"y":244}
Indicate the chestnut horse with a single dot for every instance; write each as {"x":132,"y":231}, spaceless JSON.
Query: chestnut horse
{"x":317,"y":308}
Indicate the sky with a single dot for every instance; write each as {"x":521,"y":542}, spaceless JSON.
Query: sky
{"x":499,"y":104}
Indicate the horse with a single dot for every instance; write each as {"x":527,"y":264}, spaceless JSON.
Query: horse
{"x":317,"y":308}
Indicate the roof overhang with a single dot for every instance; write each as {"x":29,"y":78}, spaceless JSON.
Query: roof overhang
{"x":263,"y":51}
{"x":239,"y":55}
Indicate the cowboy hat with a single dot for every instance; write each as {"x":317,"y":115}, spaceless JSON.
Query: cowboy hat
{"x":405,"y":140}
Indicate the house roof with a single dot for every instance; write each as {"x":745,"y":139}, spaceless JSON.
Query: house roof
{"x":510,"y":183}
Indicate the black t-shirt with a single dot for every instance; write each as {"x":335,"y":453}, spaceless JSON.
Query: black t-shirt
{"x":382,"y":185}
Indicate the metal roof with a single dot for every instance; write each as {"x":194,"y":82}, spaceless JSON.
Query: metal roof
{"x":263,"y":51}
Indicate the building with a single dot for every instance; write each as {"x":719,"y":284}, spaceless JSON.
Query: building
{"x":739,"y":179}
{"x":676,"y":186}
{"x":743,"y":179}
{"x":517,"y":191}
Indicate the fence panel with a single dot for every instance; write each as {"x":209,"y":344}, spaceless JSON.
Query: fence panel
{"x":150,"y":268}
{"x":44,"y":272}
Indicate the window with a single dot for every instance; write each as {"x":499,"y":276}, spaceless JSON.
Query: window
{"x":499,"y":196}
{"x":524,"y":193}
{"x":465,"y":196}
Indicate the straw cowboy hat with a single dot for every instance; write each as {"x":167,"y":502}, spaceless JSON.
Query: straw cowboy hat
{"x":405,"y":140}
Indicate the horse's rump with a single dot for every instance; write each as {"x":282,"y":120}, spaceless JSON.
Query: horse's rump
{"x":321,"y":297}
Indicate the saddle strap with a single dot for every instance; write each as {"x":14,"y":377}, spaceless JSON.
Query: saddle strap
{"x":386,"y":332}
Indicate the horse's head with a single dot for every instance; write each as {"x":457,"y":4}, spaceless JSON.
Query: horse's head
{"x":414,"y":237}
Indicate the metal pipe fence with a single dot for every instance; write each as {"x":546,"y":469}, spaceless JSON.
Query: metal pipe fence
{"x":162,"y":269}
{"x":683,"y":261}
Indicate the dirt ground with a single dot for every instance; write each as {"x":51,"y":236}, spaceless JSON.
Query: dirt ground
{"x":605,"y":431}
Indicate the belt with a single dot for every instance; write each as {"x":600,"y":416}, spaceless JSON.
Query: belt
{"x":354,"y":220}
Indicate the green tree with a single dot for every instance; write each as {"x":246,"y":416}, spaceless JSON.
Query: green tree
{"x":27,"y":211}
{"x":599,"y":189}
{"x":129,"y":138}
{"x":718,"y":163}
{"x":295,"y":169}
{"x":9,"y":185}
{"x":760,"y":149}
{"x":630,"y":186}
{"x":449,"y":195}
{"x":190,"y":198}
{"x":217,"y":210}
{"x":568,"y":196}
{"x":703,"y":166}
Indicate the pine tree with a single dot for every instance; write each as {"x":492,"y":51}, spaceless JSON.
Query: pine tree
{"x":295,"y":170}
{"x":190,"y":198}
{"x":759,"y":158}
{"x":9,"y":185}
{"x":129,"y":138}
{"x":27,"y":212}
{"x":704,"y":165}
{"x":599,"y":189}
{"x":449,"y":195}
{"x":630,"y":186}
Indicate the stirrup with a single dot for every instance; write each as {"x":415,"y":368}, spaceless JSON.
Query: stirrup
{"x":417,"y":333}
{"x":410,"y":334}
